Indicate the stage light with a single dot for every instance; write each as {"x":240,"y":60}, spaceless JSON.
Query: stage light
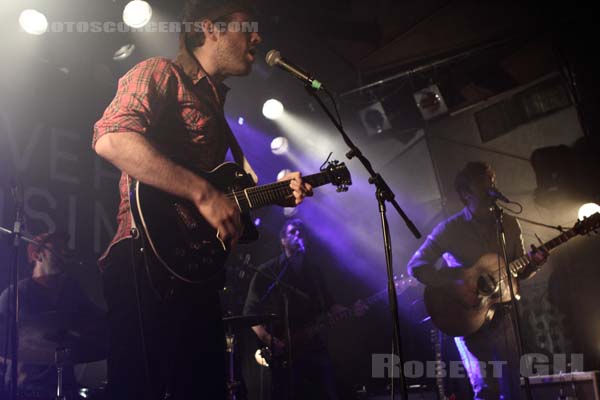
{"x":587,"y":210}
{"x":283,"y":173}
{"x":241,"y":121}
{"x":123,"y":52}
{"x":33,"y":22}
{"x":430,"y":102}
{"x":272,"y":109}
{"x":374,"y":119}
{"x":137,"y":13}
{"x":257,"y":222}
{"x":279,"y":145}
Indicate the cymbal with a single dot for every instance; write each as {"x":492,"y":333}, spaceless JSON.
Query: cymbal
{"x":246,"y":321}
{"x":84,"y":336}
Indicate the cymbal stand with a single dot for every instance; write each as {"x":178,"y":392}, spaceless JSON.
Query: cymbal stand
{"x":232,"y":384}
{"x":61,"y":360}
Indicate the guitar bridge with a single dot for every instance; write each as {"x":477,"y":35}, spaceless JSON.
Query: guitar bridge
{"x":186,"y":216}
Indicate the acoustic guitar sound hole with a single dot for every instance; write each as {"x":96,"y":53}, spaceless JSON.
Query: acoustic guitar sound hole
{"x":486,"y":285}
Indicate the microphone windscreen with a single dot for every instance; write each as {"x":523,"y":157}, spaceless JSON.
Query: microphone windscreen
{"x":272,"y":57}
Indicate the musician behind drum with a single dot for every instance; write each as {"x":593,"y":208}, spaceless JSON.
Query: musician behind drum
{"x":461,"y":240}
{"x":49,"y":290}
{"x":308,"y":299}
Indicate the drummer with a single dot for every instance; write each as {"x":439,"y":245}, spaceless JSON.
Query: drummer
{"x":49,"y":289}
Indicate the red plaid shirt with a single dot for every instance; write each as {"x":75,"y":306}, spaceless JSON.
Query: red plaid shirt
{"x":177,"y":107}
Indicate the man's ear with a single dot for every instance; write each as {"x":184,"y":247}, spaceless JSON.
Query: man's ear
{"x":463,"y":196}
{"x":208,"y":28}
{"x":38,"y":256}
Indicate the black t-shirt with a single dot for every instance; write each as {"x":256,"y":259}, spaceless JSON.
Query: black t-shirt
{"x":304,"y":307}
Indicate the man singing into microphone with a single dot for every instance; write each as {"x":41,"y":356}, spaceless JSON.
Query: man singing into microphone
{"x":461,"y":240}
{"x":167,"y":120}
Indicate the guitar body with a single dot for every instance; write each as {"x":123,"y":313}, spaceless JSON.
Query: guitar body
{"x":184,"y":245}
{"x":462,"y":309}
{"x":179,"y":237}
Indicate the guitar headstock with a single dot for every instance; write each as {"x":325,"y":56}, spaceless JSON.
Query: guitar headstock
{"x":338,"y":175}
{"x":403,"y":283}
{"x":588,"y":224}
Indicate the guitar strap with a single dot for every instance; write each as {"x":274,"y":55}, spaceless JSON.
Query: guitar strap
{"x":135,"y":232}
{"x":238,"y":154}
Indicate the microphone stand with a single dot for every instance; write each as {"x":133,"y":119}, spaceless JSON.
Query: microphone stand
{"x":383,"y":193}
{"x":13,"y":302}
{"x":516,"y":323}
{"x":283,"y":289}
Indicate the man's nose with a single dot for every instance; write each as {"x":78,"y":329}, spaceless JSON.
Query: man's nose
{"x":255,"y":38}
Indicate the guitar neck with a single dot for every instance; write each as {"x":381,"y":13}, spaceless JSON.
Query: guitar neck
{"x":522,"y":262}
{"x":273,"y":193}
{"x":327,"y":321}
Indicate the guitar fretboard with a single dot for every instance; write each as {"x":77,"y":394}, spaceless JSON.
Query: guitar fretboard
{"x":273,"y":193}
{"x":326,"y":320}
{"x":520,"y":263}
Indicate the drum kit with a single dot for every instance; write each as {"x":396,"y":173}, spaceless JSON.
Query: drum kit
{"x":58,"y":339}
{"x":64,"y":339}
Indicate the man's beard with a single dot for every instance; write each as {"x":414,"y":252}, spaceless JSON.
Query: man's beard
{"x":232,"y":65}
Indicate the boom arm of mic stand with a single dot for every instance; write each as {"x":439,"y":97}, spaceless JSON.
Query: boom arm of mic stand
{"x":375,"y":178}
{"x":384,"y":193}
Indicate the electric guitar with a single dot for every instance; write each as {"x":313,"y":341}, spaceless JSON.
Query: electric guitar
{"x":461,"y":309}
{"x":184,"y":243}
{"x":303,"y":337}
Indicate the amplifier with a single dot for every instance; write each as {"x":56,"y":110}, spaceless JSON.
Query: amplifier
{"x":568,"y":386}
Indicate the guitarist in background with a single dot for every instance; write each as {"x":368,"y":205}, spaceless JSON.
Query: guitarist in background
{"x":167,"y":119}
{"x":311,"y":370}
{"x":460,"y":241}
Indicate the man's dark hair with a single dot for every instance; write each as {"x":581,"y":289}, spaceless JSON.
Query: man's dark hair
{"x":471,"y":172}
{"x":41,"y":241}
{"x":213,"y":10}
{"x":295,"y":222}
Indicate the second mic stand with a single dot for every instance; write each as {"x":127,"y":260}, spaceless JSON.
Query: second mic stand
{"x":383,"y":193}
{"x":283,"y":289}
{"x":516,"y":323}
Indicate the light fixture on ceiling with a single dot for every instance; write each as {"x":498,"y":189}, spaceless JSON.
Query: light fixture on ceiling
{"x":33,"y":22}
{"x":137,"y":13}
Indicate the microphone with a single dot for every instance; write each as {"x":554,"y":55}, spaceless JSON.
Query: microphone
{"x":301,"y":245}
{"x":16,"y":191}
{"x":274,"y":58}
{"x":497,"y":195}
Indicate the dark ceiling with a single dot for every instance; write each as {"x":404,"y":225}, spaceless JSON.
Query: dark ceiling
{"x":474,"y":48}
